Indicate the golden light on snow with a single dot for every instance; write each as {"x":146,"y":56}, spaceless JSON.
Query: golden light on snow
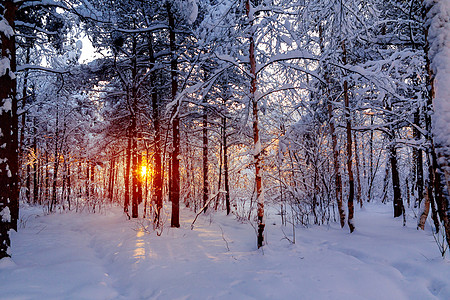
{"x":139,"y":251}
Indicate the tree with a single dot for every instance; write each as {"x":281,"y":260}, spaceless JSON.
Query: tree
{"x":9,"y":161}
{"x":437,"y":65}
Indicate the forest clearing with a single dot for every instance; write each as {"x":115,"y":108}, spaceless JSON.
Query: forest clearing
{"x":105,"y":256}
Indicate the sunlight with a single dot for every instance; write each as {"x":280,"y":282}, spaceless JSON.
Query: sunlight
{"x":143,"y":170}
{"x":139,"y":251}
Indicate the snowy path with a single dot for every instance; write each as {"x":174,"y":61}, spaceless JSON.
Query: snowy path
{"x":104,"y":256}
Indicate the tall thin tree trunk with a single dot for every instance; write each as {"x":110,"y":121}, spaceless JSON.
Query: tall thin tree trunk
{"x":35,"y":165}
{"x":424,"y":214}
{"x":157,"y":163}
{"x":225,"y":166}
{"x":69,"y":185}
{"x":55,"y":164}
{"x":146,"y":183}
{"x":219,"y":182}
{"x":126,"y":203}
{"x":88,"y":195}
{"x":348,"y":121}
{"x":22,"y":156}
{"x":256,"y":138}
{"x":92,"y":181}
{"x":175,"y":160}
{"x":47,"y":179}
{"x":140,"y":178}
{"x":205,"y":155}
{"x":418,"y":161}
{"x":92,"y":185}
{"x":135,"y":180}
{"x":134,"y":135}
{"x":111,"y":180}
{"x":358,"y":175}
{"x":331,"y":120}
{"x":398,"y":202}
{"x":371,"y":173}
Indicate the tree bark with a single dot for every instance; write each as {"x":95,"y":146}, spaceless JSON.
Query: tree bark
{"x":126,"y":203}
{"x":435,"y":14}
{"x":398,"y":201}
{"x":225,"y":166}
{"x":256,"y":137}
{"x":426,"y":210}
{"x":205,"y":155}
{"x":331,"y":120}
{"x":157,"y":163}
{"x":135,"y":180}
{"x":9,"y":161}
{"x":35,"y":165}
{"x":358,"y":175}
{"x":111,"y":179}
{"x":55,"y":164}
{"x":348,"y":121}
{"x":418,"y":161}
{"x":175,"y":172}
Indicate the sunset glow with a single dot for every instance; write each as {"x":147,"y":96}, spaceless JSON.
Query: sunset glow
{"x":143,"y":170}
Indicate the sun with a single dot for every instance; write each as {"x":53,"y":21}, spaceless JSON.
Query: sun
{"x":143,"y":171}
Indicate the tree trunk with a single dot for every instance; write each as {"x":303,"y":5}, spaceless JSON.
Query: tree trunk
{"x":92,"y":181}
{"x":371,"y":173}
{"x":47,"y":178}
{"x":424,"y":215}
{"x":135,"y":180}
{"x":256,"y":138}
{"x":157,"y":164}
{"x":398,"y":202}
{"x":351,"y":182}
{"x":205,"y":155}
{"x":22,"y":157}
{"x":225,"y":167}
{"x":35,"y":165}
{"x":418,"y":161}
{"x":175,"y":172}
{"x":69,"y":185}
{"x":126,"y":203}
{"x":9,"y":161}
{"x":111,"y":180}
{"x":134,"y":135}
{"x":358,"y":175}
{"x":435,"y":15}
{"x":88,"y":196}
{"x":55,"y":164}
{"x":140,"y":178}
{"x":331,"y":120}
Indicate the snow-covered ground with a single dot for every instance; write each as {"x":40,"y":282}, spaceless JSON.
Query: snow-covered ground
{"x":105,"y":256}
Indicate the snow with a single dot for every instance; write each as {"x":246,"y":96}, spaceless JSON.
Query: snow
{"x":7,"y":105}
{"x":9,"y":174}
{"x":439,"y":37}
{"x":257,"y":149}
{"x":4,"y":65}
{"x":193,"y":11}
{"x":5,"y":214}
{"x":6,"y":28}
{"x":105,"y":256}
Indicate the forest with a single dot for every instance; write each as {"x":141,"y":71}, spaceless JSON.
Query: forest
{"x":304,"y":112}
